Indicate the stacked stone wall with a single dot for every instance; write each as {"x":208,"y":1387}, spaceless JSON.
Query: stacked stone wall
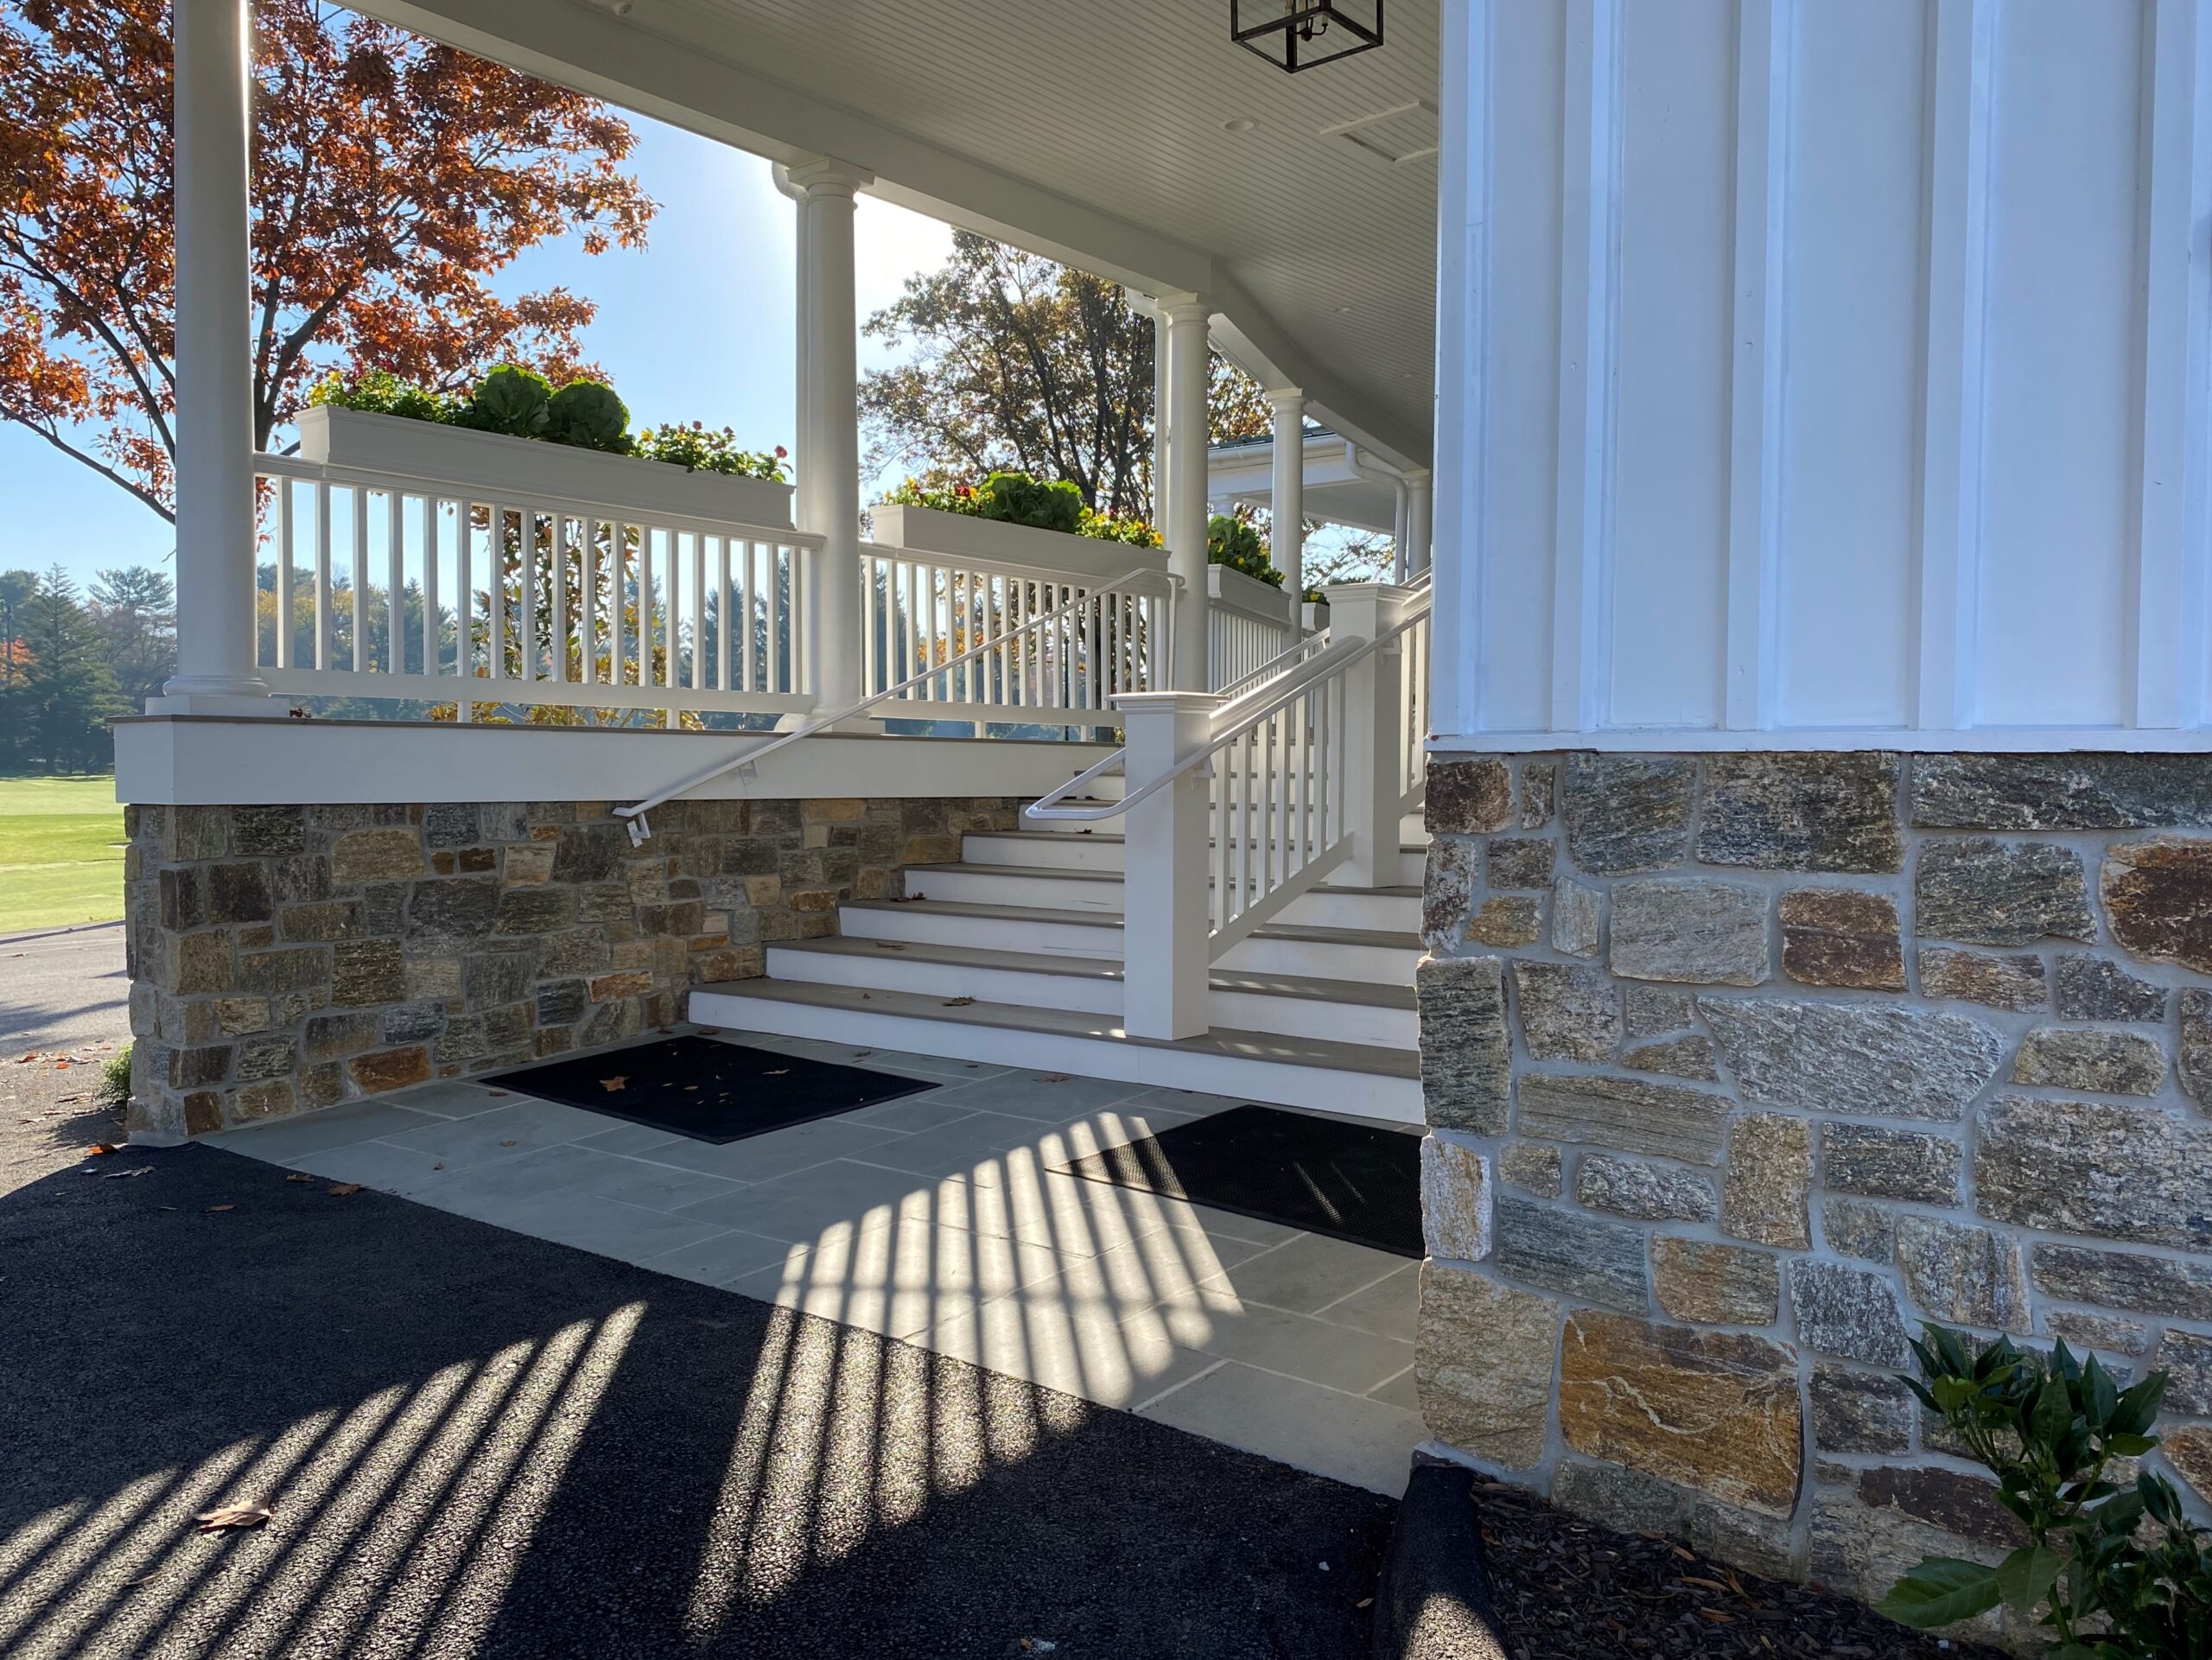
{"x":1738,"y":1067}
{"x":287,"y":958}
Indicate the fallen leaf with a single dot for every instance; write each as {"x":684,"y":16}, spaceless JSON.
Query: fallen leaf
{"x":710,"y":1031}
{"x":863,"y":1054}
{"x":1684,"y":1554}
{"x":958,"y":1003}
{"x":1703,"y":1585}
{"x":776,"y":1071}
{"x":299,"y":1175}
{"x":340,"y":1189}
{"x":497,"y":1091}
{"x":1716,"y":1617}
{"x":1364,"y":1602}
{"x":1052,"y":1078}
{"x":890,"y":946}
{"x":665,"y":1030}
{"x":506,"y":1144}
{"x":117,"y":1175}
{"x":615,"y":1084}
{"x":437,"y":1167}
{"x":99,"y":1147}
{"x":143,"y":1579}
{"x":222,"y":1207}
{"x":24,"y":1060}
{"x":233,"y":1516}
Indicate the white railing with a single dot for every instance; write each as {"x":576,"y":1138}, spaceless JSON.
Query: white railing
{"x":1155,"y":587}
{"x":1282,"y":758}
{"x":1249,"y":626}
{"x":1047,"y":649}
{"x":387,"y":586}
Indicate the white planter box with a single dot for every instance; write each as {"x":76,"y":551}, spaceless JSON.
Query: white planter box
{"x":960,"y":538}
{"x":1238,"y":592}
{"x":492,"y":466}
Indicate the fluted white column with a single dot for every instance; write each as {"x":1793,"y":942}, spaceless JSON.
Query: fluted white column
{"x":215,"y":366}
{"x":828,"y":497}
{"x":1286,"y":544}
{"x":1184,"y":523}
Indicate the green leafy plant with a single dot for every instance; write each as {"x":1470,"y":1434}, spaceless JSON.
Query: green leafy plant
{"x":511,"y":400}
{"x":379,"y":393}
{"x":587,"y":414}
{"x":1233,"y":540}
{"x":115,"y":1079}
{"x":1024,"y":499}
{"x":2119,"y":1570}
{"x":698,"y":450}
{"x":1108,"y":527}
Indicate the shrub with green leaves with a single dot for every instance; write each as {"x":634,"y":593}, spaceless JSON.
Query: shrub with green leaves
{"x":1024,"y":499}
{"x":1233,"y":540}
{"x":698,"y":450}
{"x":115,"y":1079}
{"x":511,"y":400}
{"x":2119,"y":1571}
{"x":587,"y":414}
{"x":379,"y":393}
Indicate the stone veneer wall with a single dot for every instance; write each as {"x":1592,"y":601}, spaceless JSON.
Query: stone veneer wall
{"x":1738,"y":1066}
{"x":284,"y":958}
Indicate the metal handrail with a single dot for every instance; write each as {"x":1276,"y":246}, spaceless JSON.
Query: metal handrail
{"x":641,"y":831}
{"x":1286,"y":690}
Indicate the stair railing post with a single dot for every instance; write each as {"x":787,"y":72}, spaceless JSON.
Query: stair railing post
{"x":1371,"y":750}
{"x":1166,"y":910}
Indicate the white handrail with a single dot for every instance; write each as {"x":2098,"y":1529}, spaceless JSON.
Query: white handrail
{"x":1281,"y":663}
{"x":1285,"y":689}
{"x":641,"y":831}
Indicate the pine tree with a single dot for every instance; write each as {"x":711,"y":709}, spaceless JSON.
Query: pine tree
{"x":67,"y":692}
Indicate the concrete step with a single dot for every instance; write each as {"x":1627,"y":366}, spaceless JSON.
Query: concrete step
{"x":1348,"y":1078}
{"x":1282,"y":1005}
{"x":1084,"y":888}
{"x":1376,"y":956}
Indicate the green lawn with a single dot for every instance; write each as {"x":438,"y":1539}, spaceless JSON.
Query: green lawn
{"x":60,"y":852}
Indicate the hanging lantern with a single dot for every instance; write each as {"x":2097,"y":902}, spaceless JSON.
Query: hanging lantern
{"x":1295,"y":34}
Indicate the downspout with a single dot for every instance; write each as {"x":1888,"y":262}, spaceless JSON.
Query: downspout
{"x":1381,"y":474}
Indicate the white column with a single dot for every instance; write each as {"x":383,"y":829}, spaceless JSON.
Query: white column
{"x":214,"y":368}
{"x":828,"y":497}
{"x":1184,"y":522}
{"x":1420,"y":498}
{"x":1287,"y":502}
{"x":1374,"y":750}
{"x":1166,"y":920}
{"x":1401,"y":567}
{"x":1161,"y":424}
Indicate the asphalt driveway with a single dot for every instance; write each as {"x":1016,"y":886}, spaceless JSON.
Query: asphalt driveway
{"x":476,"y":1443}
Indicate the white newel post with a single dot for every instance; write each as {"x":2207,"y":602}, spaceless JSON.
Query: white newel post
{"x":827,"y":498}
{"x":1166,"y":919}
{"x":1184,"y":524}
{"x":1373,"y":751}
{"x":214,"y":368}
{"x":1421,"y":499}
{"x":1287,"y":502}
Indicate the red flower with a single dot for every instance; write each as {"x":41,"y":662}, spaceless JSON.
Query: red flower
{"x":781,"y":453}
{"x":963,"y":490}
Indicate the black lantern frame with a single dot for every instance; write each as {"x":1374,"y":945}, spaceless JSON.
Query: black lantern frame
{"x":1290,"y":37}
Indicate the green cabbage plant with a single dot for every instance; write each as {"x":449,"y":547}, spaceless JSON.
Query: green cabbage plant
{"x":511,"y":400}
{"x":1233,"y":540}
{"x":2118,"y":1569}
{"x":587,"y":414}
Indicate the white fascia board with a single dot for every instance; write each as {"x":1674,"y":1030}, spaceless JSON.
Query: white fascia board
{"x":214,"y":760}
{"x":625,"y":63}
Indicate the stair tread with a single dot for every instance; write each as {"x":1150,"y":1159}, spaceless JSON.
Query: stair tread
{"x":1077,"y":872}
{"x":1110,"y":919}
{"x":1245,"y":1045}
{"x":1095,"y":836}
{"x":1306,"y":987}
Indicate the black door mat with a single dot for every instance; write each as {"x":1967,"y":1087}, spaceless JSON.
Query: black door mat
{"x":708,"y":1090}
{"x":1359,"y":1182}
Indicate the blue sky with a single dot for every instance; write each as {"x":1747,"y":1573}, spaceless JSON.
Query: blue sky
{"x":697,"y":327}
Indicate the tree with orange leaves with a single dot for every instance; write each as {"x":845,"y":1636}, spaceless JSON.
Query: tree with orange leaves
{"x":392,"y":178}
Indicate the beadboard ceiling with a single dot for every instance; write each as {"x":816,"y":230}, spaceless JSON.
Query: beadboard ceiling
{"x":1315,"y":226}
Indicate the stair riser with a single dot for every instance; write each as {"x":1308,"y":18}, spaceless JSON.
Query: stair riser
{"x":985,"y":933}
{"x":1389,"y":1100}
{"x":1091,"y":853}
{"x":1381,"y":965}
{"x":1239,"y":1011}
{"x":1048,"y":890}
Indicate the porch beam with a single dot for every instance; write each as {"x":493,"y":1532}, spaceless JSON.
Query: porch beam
{"x":215,"y":366}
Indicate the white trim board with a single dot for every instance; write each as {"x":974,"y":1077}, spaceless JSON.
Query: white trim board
{"x":213,"y":760}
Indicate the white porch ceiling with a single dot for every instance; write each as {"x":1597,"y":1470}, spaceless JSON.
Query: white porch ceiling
{"x":1090,"y":129}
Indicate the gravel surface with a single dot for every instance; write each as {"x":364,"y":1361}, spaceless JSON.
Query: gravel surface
{"x":1567,"y":1590}
{"x":63,"y":999}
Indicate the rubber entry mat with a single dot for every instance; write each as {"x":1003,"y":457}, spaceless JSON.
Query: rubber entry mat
{"x":1359,"y":1182}
{"x":708,"y":1090}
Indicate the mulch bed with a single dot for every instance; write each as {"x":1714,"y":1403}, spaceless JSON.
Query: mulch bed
{"x":1566,"y":1589}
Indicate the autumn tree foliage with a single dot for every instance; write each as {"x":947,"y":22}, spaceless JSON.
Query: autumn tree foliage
{"x":1016,"y":362}
{"x":392,"y":178}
